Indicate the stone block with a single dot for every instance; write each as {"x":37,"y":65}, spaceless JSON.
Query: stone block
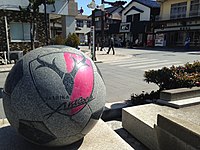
{"x":180,"y":103}
{"x":101,"y":137}
{"x":139,"y":122}
{"x":180,"y":93}
{"x":175,"y":133}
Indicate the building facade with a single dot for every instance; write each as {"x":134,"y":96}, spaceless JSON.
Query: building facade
{"x":140,"y":15}
{"x":16,"y":24}
{"x":179,"y":23}
{"x":108,"y":21}
{"x":15,"y":31}
{"x":82,"y":28}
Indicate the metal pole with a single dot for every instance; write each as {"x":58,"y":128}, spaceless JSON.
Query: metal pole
{"x":102,"y":27}
{"x":45,"y":18}
{"x":7,"y":40}
{"x":94,"y":42}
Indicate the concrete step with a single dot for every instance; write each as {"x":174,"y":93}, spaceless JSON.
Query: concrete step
{"x":101,"y":137}
{"x":180,"y":93}
{"x":180,"y":103}
{"x":177,"y":134}
{"x":163,"y":128}
{"x":139,"y":121}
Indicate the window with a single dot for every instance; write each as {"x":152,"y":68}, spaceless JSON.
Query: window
{"x":136,"y":17}
{"x":195,"y":8}
{"x":89,"y":24}
{"x":79,"y":23}
{"x":129,"y":18}
{"x":20,"y":31}
{"x":178,"y":10}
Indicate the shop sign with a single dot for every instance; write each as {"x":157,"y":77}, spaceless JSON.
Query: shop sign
{"x":160,"y":40}
{"x":125,"y":27}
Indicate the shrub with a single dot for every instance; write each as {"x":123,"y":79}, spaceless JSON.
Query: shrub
{"x":169,"y":78}
{"x":59,"y":40}
{"x":72,"y":40}
{"x":175,"y":77}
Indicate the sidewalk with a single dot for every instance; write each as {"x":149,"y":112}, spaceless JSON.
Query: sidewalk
{"x":6,"y":68}
{"x":102,"y":56}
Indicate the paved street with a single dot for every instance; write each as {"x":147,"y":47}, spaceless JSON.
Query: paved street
{"x":123,"y":72}
{"x":125,"y":75}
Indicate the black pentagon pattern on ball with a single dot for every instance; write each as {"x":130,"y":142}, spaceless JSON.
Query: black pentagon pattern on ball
{"x":14,"y":77}
{"x":96,"y":115}
{"x":92,"y":121}
{"x":35,"y":131}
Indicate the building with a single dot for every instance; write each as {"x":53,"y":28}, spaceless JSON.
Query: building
{"x":179,"y":21}
{"x":137,"y":22}
{"x":16,"y":24}
{"x":104,"y":21}
{"x":82,"y":28}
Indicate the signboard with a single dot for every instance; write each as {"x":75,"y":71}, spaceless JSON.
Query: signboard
{"x":150,"y":40}
{"x":160,"y":40}
{"x":125,"y":27}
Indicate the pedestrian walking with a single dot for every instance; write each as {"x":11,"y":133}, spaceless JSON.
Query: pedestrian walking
{"x":111,"y":45}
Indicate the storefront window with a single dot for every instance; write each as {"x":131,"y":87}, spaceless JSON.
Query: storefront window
{"x":178,"y":10}
{"x":195,"y":8}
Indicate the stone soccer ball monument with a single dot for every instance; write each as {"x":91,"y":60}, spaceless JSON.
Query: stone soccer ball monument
{"x":54,"y":95}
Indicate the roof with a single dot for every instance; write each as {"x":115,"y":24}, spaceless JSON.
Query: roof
{"x":108,"y":9}
{"x":82,"y":17}
{"x":148,"y":3}
{"x":134,"y":8}
{"x":83,"y":31}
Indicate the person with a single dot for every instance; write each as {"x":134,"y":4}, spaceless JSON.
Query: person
{"x":111,"y":45}
{"x":187,"y":42}
{"x":137,"y":42}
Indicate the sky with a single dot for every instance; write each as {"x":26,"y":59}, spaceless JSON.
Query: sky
{"x":88,"y":11}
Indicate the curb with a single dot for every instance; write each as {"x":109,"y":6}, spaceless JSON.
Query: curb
{"x":113,"y":111}
{"x":5,"y":70}
{"x":3,"y":122}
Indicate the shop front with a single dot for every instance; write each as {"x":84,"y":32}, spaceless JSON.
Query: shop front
{"x":182,"y":33}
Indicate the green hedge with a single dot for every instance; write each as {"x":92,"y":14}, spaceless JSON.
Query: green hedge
{"x":175,"y":77}
{"x":185,"y":76}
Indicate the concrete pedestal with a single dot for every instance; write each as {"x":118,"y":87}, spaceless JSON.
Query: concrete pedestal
{"x":101,"y":137}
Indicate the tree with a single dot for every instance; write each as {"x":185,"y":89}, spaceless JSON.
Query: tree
{"x":33,"y":10}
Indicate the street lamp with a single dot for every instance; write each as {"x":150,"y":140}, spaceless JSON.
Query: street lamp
{"x":92,"y":6}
